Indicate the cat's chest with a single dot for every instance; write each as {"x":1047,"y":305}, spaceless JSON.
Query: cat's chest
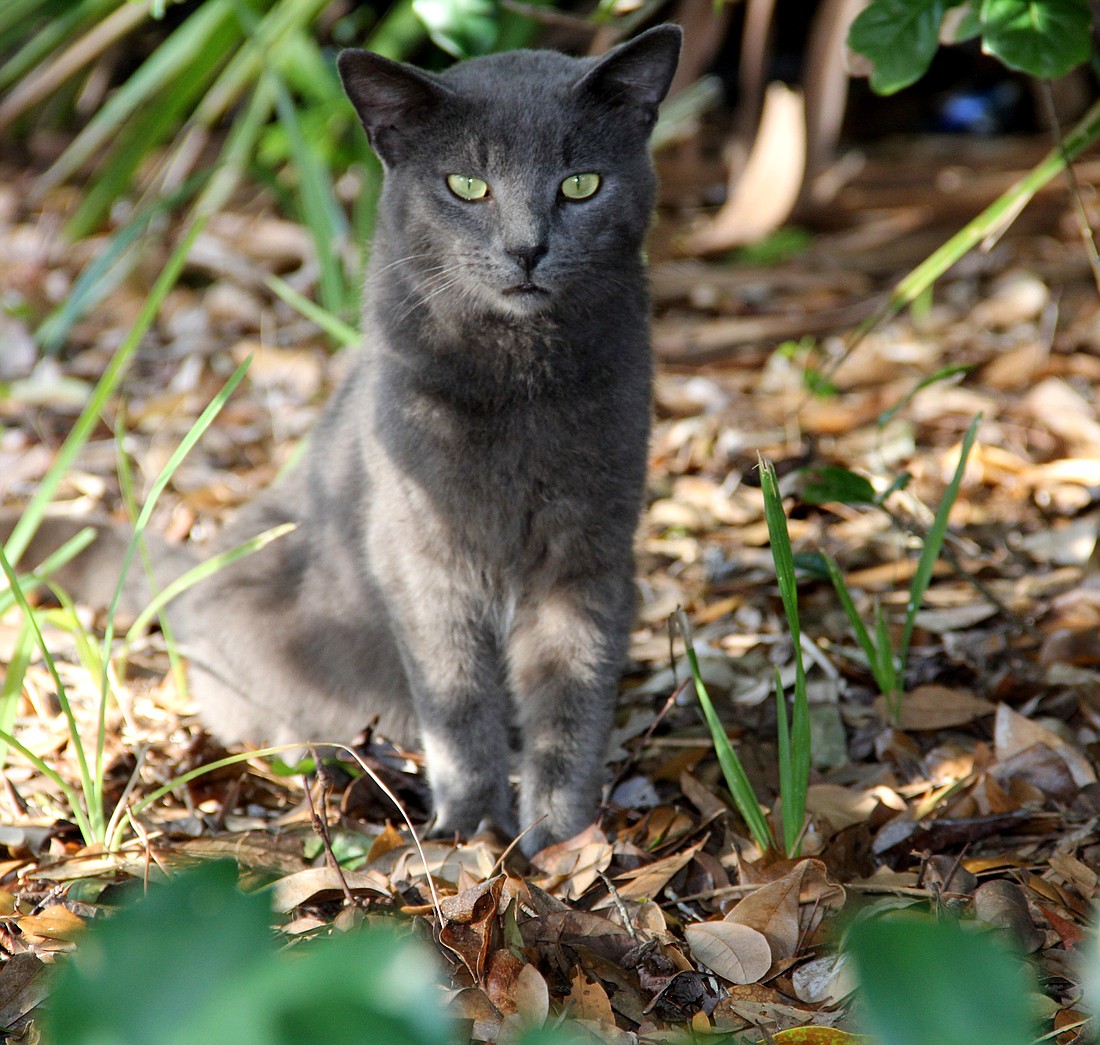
{"x":505,"y":480}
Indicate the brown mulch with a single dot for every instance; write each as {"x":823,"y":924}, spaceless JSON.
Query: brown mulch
{"x":983,"y":797}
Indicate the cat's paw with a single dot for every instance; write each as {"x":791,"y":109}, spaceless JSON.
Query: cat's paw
{"x":443,"y":826}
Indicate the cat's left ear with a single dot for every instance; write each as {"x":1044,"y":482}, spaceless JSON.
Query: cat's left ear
{"x":638,"y":72}
{"x":388,"y":96}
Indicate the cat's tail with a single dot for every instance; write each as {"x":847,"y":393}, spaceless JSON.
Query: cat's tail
{"x":92,"y":576}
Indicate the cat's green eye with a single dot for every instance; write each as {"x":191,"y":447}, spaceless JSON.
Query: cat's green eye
{"x":580,"y":186}
{"x":467,"y":188}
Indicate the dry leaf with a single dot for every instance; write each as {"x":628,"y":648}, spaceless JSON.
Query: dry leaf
{"x":1004,"y":904}
{"x":323,"y":883}
{"x":468,"y":921}
{"x":23,"y":984}
{"x":472,"y":1004}
{"x":826,"y":980}
{"x":763,"y":193}
{"x":588,"y":1000}
{"x":934,"y":707}
{"x":387,"y":840}
{"x":1014,"y":733}
{"x":500,"y":979}
{"x":532,"y":997}
{"x":648,"y":881}
{"x":772,"y":910}
{"x":573,"y":866}
{"x":56,"y":922}
{"x":734,"y":952}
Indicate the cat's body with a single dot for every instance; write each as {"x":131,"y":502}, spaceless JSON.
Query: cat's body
{"x":465,"y":512}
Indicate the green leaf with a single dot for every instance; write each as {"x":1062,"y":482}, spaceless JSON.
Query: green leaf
{"x":831,"y":483}
{"x":145,"y":970}
{"x":900,"y":37}
{"x":1046,"y":38}
{"x":462,"y":28}
{"x":195,"y":962}
{"x":969,"y":26}
{"x":929,"y":982}
{"x":811,"y":564}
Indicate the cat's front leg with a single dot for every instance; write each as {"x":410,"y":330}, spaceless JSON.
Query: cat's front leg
{"x":464,"y":731}
{"x":462,"y":711}
{"x":565,"y":655}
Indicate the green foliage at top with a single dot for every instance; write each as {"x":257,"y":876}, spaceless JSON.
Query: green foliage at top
{"x":931,"y":982}
{"x":1045,"y":38}
{"x":462,"y":28}
{"x":217,"y":94}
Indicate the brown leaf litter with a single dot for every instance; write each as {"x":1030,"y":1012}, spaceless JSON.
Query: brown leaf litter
{"x":982,"y":799}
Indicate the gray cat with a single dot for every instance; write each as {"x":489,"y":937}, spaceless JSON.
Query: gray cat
{"x":462,"y":562}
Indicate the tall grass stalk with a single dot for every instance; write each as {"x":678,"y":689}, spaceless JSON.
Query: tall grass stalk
{"x":734,"y":772}
{"x":985,"y":229}
{"x":888,"y":666}
{"x":89,"y":814}
{"x":105,"y":387}
{"x":793,"y":735}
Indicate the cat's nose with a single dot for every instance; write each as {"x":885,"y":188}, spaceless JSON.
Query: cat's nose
{"x":527,"y":254}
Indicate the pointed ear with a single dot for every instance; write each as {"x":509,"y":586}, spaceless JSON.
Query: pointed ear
{"x":388,"y":96}
{"x":637,"y":72}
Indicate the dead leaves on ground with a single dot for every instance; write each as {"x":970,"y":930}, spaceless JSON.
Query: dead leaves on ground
{"x":983,"y":798}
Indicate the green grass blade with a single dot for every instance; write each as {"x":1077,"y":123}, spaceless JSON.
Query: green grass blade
{"x":89,"y":416}
{"x":859,"y":629}
{"x":989,"y":224}
{"x":736,"y":779}
{"x":18,"y":663}
{"x":263,"y":38}
{"x":786,"y":763}
{"x":188,"y":442}
{"x":796,"y":783}
{"x":114,"y":834}
{"x":399,"y":33}
{"x":147,"y":129}
{"x":334,"y":326}
{"x":194,"y":434}
{"x":90,"y":819}
{"x":320,"y":211}
{"x":237,"y":152}
{"x":18,"y":14}
{"x":887,"y":669}
{"x":946,"y":373}
{"x":70,"y":793}
{"x":933,"y":542}
{"x":29,"y":581}
{"x":184,"y":46}
{"x":111,"y":265}
{"x":58,"y":32}
{"x":796,"y":780}
{"x":782,"y":555}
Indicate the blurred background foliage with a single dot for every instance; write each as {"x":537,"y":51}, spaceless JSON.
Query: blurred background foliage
{"x":162,"y":106}
{"x":162,"y":109}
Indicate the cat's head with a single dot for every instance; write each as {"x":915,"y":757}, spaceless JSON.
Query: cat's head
{"x":518,"y":180}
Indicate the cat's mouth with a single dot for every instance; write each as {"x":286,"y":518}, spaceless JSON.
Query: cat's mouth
{"x":526,"y":289}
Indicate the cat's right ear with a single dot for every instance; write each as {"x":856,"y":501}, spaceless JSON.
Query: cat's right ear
{"x":388,"y":96}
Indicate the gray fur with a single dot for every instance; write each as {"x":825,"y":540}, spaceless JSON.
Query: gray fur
{"x":465,"y":512}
